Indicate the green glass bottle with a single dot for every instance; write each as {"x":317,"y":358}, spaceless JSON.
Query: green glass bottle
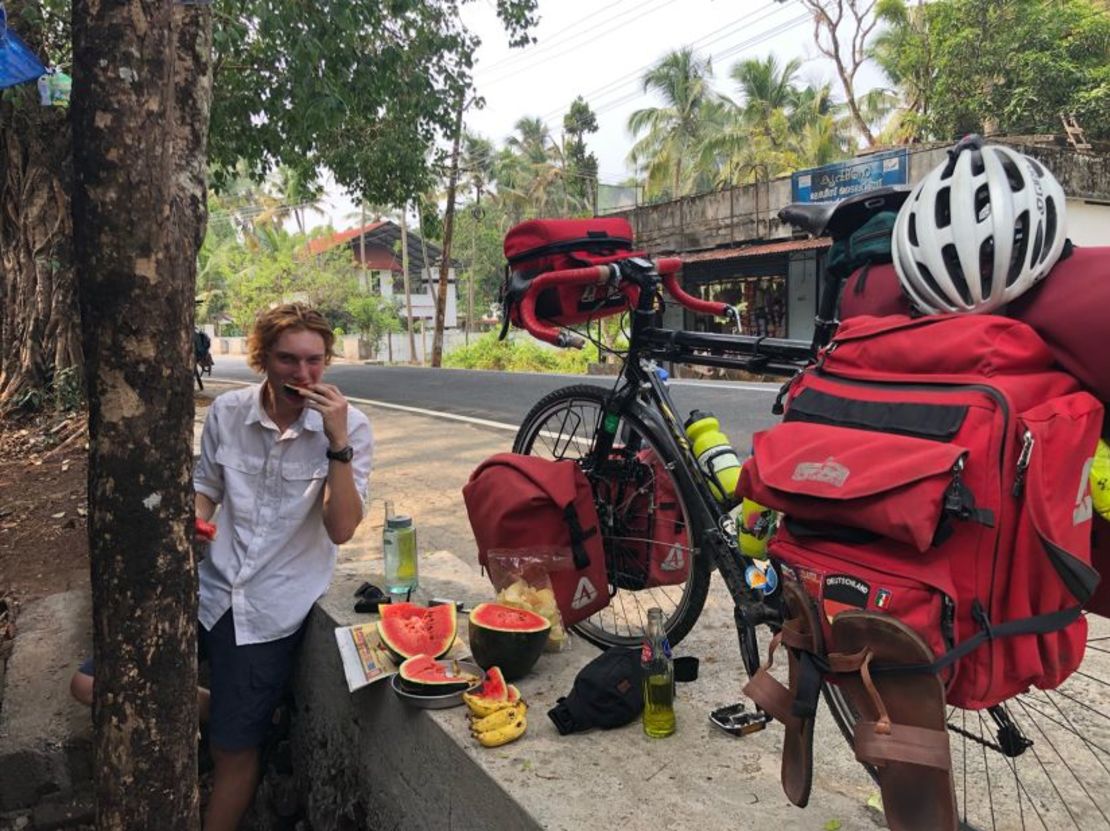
{"x":658,"y":679}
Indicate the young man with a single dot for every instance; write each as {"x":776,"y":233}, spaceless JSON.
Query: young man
{"x":287,"y":462}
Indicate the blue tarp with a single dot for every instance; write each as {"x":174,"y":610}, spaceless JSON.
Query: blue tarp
{"x":18,"y":64}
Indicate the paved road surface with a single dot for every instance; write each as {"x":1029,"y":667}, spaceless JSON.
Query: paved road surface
{"x":506,"y":397}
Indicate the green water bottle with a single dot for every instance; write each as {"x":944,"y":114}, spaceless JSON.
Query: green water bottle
{"x":716,"y":458}
{"x":658,"y":679}
{"x":399,"y":552}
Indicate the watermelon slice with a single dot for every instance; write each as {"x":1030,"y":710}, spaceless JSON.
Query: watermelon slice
{"x":408,"y":630}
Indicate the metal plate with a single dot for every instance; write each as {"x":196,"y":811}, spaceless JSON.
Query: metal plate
{"x":439,"y":702}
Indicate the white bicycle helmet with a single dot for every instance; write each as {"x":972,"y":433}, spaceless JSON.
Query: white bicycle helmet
{"x":980,"y":230}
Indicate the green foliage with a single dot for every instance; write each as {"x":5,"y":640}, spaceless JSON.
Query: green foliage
{"x":363,"y":89}
{"x":374,"y":316}
{"x":519,"y":355}
{"x":998,"y":66}
{"x":64,"y":392}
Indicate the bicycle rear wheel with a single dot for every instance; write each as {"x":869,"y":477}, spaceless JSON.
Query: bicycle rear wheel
{"x":1060,"y":779}
{"x":562,"y":425}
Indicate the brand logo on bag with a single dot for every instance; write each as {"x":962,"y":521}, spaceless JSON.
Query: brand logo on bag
{"x":584,"y":595}
{"x":843,"y":592}
{"x":675,"y":559}
{"x":1084,"y":504}
{"x":829,"y":471}
{"x":882,"y":599}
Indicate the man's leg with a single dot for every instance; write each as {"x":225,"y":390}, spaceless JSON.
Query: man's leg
{"x":233,"y":782}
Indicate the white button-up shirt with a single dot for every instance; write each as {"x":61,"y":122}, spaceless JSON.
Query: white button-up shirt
{"x":272,"y":558}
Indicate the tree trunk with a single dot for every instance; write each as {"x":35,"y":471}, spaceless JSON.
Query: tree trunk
{"x":141,"y":96}
{"x":448,"y":230}
{"x":40,"y":334}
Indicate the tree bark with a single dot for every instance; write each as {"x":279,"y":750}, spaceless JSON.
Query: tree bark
{"x":141,"y":93}
{"x":40,"y":335}
{"x":448,"y":230}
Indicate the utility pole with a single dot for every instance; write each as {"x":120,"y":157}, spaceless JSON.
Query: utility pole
{"x":408,"y":287}
{"x":362,"y":248}
{"x":448,"y":230}
{"x":473,"y":256}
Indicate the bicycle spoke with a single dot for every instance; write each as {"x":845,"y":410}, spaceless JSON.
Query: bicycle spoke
{"x":1069,"y":769}
{"x":987,"y":772}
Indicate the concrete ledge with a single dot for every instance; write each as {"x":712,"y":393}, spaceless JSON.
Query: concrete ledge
{"x":45,"y":736}
{"x":366,"y":760}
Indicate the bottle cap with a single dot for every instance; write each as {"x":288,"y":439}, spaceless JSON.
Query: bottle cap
{"x":400,"y":521}
{"x":697,"y":415}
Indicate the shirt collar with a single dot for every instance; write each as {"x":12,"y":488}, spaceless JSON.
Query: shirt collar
{"x":308,"y":420}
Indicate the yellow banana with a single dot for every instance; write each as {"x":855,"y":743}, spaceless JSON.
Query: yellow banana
{"x":497,"y":720}
{"x":482,"y":707}
{"x":503,"y":735}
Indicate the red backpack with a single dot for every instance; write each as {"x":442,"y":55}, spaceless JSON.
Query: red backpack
{"x":516,"y":502}
{"x":542,"y":245}
{"x":935,"y":469}
{"x":651,"y":547}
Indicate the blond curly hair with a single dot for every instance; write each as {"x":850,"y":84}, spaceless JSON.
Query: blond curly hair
{"x":289,"y":317}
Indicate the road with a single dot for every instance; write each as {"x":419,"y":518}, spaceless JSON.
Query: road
{"x":505,"y":397}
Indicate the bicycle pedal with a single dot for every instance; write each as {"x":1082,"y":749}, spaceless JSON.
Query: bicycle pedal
{"x":735,"y":721}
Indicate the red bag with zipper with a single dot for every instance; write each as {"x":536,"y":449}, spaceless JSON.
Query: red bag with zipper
{"x":935,"y":469}
{"x":515,"y":502}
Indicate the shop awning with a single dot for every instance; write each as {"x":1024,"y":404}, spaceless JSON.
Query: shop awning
{"x":760,"y":250}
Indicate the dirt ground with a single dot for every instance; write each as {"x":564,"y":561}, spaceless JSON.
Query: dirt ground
{"x":43,"y":534}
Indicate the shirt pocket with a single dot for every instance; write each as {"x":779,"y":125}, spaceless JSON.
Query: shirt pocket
{"x":302,"y":482}
{"x":239,"y":461}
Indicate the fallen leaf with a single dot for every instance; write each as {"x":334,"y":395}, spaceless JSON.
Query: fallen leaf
{"x":833,"y":825}
{"x":875,"y":801}
{"x":58,"y":515}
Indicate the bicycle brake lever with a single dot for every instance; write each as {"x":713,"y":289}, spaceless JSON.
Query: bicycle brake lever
{"x":735,"y":721}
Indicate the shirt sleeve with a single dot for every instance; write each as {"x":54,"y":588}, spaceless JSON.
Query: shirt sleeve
{"x":361,"y":437}
{"x":208,"y":477}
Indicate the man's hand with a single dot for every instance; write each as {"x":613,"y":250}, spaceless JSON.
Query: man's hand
{"x":330,"y":403}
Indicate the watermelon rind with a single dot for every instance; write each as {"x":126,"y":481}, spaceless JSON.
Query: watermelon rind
{"x":507,"y":637}
{"x":494,"y":688}
{"x":423,"y":675}
{"x":407,"y":630}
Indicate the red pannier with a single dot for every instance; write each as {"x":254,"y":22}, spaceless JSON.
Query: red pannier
{"x":649,"y":545}
{"x":935,"y":469}
{"x":515,"y":501}
{"x":541,"y":245}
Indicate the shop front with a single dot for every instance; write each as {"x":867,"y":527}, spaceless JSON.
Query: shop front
{"x":774,"y":286}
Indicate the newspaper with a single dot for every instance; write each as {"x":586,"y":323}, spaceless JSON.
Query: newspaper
{"x":364,"y":658}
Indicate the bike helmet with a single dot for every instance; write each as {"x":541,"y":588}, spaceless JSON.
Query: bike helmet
{"x":979,"y":230}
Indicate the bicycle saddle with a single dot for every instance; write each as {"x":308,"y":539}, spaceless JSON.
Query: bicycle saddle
{"x":840,"y":219}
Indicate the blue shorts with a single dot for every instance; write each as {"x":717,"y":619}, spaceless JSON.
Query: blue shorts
{"x":247,"y":683}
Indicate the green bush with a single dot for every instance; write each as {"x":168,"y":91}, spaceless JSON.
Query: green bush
{"x":519,"y":356}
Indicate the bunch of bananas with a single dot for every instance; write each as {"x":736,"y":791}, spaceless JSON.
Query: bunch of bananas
{"x":494,"y":723}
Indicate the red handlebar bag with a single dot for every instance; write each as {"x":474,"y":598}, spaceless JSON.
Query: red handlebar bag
{"x":541,"y":245}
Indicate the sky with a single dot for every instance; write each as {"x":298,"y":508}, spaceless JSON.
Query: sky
{"x":600,"y":49}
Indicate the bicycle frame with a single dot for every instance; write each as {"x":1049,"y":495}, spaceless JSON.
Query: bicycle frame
{"x":640,"y":389}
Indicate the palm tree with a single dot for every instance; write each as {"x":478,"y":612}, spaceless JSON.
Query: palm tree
{"x":766,"y":88}
{"x":673,"y":133}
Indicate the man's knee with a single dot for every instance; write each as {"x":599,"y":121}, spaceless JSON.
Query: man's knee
{"x":81,"y":688}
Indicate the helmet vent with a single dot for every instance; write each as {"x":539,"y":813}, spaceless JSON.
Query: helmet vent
{"x":911,"y":230}
{"x":956,"y":272}
{"x":1038,"y":241}
{"x":943,"y":208}
{"x":982,"y":203}
{"x":977,"y":166}
{"x":1013,"y":173}
{"x":930,"y":281}
{"x":1049,"y":223}
{"x":1021,"y":245}
{"x":986,"y":265}
{"x":1033,"y":163}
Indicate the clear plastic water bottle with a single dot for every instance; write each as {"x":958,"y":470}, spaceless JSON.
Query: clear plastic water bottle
{"x":399,"y":551}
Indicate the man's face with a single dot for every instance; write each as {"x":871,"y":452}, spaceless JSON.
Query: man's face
{"x":297,"y":358}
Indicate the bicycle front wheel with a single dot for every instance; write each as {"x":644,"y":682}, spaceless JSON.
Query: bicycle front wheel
{"x":562,"y":425}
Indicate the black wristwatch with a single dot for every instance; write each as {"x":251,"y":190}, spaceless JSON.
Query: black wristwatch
{"x":344,"y":455}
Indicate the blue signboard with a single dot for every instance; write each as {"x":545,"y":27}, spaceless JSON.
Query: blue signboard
{"x":843,"y":179}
